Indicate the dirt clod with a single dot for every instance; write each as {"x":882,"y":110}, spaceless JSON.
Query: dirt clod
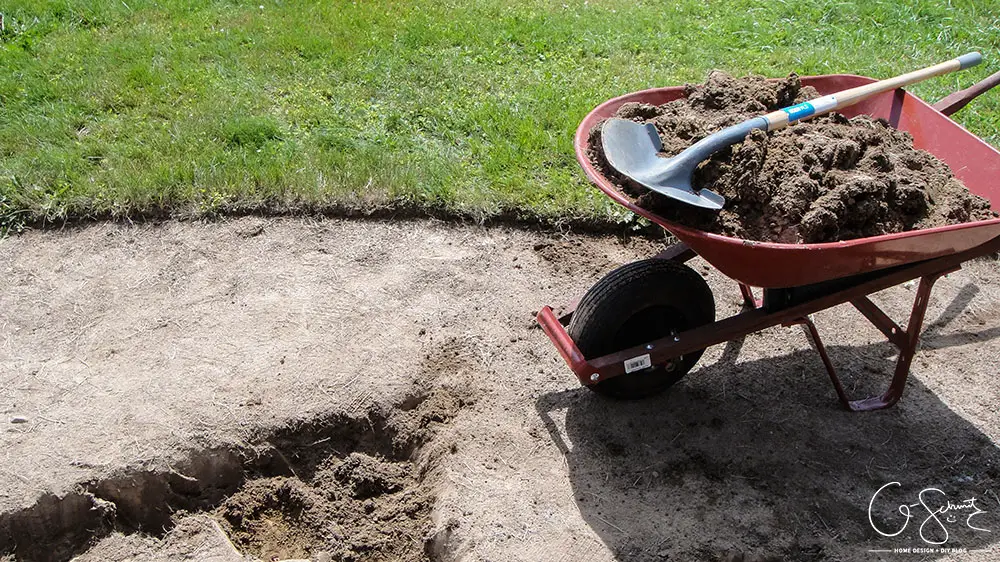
{"x":368,"y":476}
{"x":821,"y":180}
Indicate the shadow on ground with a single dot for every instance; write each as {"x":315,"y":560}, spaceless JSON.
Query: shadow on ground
{"x":755,"y":460}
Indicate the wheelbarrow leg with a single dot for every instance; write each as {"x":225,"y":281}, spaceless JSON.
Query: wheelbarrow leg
{"x":818,"y":342}
{"x":906,"y":341}
{"x":749,"y":300}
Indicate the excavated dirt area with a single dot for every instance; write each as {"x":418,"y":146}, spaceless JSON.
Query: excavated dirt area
{"x":372,"y":503}
{"x":351,"y":390}
{"x":825,"y":179}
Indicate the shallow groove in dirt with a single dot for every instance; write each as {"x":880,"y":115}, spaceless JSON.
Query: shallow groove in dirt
{"x":625,"y":223}
{"x":355,"y":486}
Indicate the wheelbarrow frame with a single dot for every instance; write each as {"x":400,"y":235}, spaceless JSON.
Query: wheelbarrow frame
{"x":786,"y":307}
{"x":789,"y":306}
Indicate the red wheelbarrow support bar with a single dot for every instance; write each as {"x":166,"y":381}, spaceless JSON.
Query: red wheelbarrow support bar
{"x":564,"y":344}
{"x":662,"y":350}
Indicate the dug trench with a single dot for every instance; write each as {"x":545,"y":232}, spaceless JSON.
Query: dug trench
{"x":341,"y":488}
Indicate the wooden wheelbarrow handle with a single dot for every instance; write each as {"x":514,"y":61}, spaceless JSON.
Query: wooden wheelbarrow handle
{"x":952,"y":103}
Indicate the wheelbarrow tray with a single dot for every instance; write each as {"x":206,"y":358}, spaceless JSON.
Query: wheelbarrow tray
{"x":774,"y":265}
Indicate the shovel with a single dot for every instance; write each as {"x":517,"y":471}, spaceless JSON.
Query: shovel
{"x":633,"y":148}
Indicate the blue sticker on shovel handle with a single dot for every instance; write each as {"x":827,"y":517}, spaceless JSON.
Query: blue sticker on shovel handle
{"x":810,"y":108}
{"x":799,"y":111}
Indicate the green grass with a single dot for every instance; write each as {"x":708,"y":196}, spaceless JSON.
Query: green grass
{"x":115,"y":108}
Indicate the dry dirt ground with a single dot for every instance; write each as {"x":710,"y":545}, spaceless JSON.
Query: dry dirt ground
{"x":350,"y":390}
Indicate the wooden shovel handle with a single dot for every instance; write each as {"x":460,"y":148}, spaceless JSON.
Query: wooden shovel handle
{"x":783,"y":117}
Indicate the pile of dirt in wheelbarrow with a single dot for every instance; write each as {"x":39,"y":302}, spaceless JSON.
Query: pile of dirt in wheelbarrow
{"x":822,"y":180}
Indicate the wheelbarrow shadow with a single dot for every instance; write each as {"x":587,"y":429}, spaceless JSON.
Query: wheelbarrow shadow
{"x":931,"y":338}
{"x":766,"y":466}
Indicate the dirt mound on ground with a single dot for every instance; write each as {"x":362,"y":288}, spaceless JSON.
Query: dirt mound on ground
{"x":822,"y":180}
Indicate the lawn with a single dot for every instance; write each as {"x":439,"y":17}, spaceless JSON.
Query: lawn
{"x":133,"y":108}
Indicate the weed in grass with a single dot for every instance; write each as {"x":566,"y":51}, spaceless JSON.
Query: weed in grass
{"x":250,"y":132}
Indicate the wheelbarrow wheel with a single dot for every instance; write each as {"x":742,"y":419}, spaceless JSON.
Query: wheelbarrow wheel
{"x":636,"y":303}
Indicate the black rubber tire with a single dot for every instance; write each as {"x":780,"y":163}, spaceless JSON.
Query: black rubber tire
{"x":636,"y":303}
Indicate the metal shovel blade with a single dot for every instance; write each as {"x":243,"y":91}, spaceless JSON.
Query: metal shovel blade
{"x":633,"y":149}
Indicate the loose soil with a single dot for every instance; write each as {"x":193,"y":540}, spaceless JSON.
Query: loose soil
{"x":338,"y":488}
{"x":278,"y":378}
{"x":285,"y":517}
{"x":821,"y":180}
{"x":371,"y":504}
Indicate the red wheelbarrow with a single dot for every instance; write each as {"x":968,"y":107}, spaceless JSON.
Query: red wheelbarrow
{"x":644,"y":326}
